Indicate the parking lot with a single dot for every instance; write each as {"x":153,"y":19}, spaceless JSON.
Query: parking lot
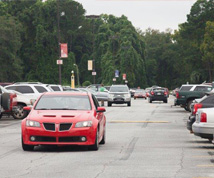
{"x":144,"y":140}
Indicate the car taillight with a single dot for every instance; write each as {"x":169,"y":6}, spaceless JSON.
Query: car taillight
{"x":177,"y":95}
{"x":196,"y":107}
{"x":203,"y":117}
{"x":165,"y":93}
{"x":152,"y":93}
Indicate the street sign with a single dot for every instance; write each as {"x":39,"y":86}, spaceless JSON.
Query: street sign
{"x":114,"y":79}
{"x":90,"y":65}
{"x":94,"y":73}
{"x":124,"y":76}
{"x":116,"y":74}
{"x":64,"y":50}
{"x":59,"y":62}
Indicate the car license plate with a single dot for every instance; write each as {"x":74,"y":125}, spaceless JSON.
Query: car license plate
{"x":158,"y":93}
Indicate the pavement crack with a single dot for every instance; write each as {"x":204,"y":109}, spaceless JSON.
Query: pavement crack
{"x":104,"y":167}
{"x":181,"y":163}
{"x":130,"y":149}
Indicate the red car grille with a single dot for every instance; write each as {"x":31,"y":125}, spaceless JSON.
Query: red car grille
{"x":62,"y":126}
{"x":65,"y":126}
{"x":49,"y":126}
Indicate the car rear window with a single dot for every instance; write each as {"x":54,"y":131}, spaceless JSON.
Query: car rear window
{"x":185,"y":88}
{"x":119,"y":89}
{"x":63,"y":102}
{"x":159,"y":90}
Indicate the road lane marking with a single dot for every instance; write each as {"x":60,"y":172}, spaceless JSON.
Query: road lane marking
{"x":138,"y":121}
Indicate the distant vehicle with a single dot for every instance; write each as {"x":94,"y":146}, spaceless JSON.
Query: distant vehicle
{"x":5,"y":83}
{"x":188,"y":93}
{"x":139,"y":93}
{"x":158,"y":94}
{"x":119,"y":94}
{"x":64,"y":118}
{"x":55,"y":87}
{"x":101,"y":96}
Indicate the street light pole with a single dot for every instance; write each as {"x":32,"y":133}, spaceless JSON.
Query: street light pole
{"x":58,"y":19}
{"x":93,"y":17}
{"x":77,"y":74}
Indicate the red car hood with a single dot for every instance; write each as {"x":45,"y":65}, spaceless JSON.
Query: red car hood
{"x":60,"y":116}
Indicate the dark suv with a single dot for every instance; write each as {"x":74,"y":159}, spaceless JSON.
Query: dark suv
{"x":158,"y":94}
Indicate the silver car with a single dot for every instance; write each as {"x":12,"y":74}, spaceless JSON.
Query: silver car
{"x":119,"y":94}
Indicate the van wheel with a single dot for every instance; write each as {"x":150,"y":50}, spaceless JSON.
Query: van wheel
{"x":129,"y":104}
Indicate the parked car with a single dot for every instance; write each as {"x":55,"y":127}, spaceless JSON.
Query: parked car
{"x":64,"y":118}
{"x":140,"y":93}
{"x":119,"y":94}
{"x":55,"y":87}
{"x":158,"y":94}
{"x":26,"y":95}
{"x":204,"y":123}
{"x":29,"y":89}
{"x":8,"y":101}
{"x":188,"y":93}
{"x":101,"y":96}
{"x":206,"y":102}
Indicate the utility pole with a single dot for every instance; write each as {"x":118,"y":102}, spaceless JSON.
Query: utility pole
{"x":93,"y":17}
{"x":59,"y":50}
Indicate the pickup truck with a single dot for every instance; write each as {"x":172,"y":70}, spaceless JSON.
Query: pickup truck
{"x":188,"y":93}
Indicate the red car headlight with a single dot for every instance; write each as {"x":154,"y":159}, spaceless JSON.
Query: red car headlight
{"x":31,"y":123}
{"x":83,"y":124}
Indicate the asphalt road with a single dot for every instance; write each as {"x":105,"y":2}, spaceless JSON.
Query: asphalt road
{"x":144,"y":140}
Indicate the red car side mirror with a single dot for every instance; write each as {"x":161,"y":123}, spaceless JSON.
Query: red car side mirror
{"x":27,"y":108}
{"x":101,"y":109}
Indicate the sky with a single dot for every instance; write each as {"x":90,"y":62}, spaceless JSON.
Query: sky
{"x":156,"y":14}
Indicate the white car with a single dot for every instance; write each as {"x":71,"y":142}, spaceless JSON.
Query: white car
{"x":26,"y":95}
{"x":204,"y":124}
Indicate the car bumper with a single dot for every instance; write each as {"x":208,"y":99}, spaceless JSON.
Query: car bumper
{"x":119,"y":100}
{"x":71,"y":137}
{"x":158,"y":98}
{"x":203,"y":130}
{"x":190,"y":122}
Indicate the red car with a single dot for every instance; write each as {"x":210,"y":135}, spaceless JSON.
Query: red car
{"x":140,"y":94}
{"x":64,"y":118}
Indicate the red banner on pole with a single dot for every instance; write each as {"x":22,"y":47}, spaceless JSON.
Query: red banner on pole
{"x":124,"y":76}
{"x":64,"y":50}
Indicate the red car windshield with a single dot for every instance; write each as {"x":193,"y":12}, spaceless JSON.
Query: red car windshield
{"x":63,"y":102}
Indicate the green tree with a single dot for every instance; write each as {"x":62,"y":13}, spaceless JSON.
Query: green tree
{"x":10,"y":43}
